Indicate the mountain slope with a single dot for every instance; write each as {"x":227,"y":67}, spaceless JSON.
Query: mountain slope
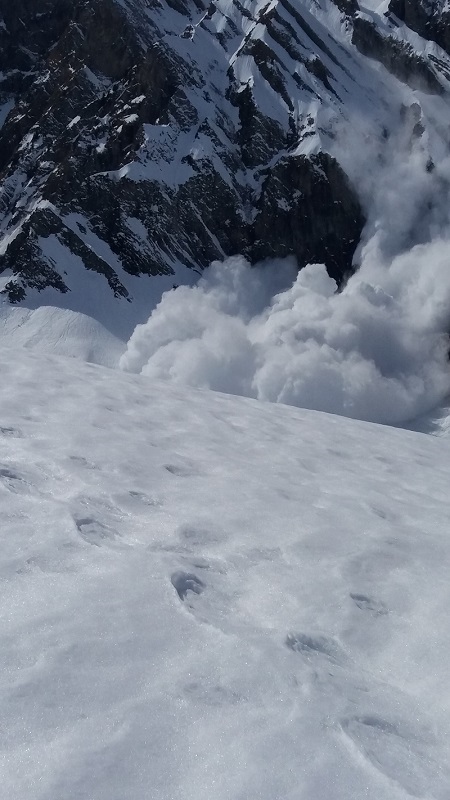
{"x":206,"y":596}
{"x":149,"y":137}
{"x":429,"y":18}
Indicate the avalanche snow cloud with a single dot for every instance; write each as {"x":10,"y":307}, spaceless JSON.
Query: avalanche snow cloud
{"x":363,"y":353}
{"x":377,"y":350}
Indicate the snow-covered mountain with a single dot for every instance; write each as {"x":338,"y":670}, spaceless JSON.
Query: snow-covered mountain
{"x":147,"y":137}
{"x":203,"y":596}
{"x":206,"y":596}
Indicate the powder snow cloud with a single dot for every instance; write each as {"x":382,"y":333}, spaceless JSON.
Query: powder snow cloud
{"x":377,"y":350}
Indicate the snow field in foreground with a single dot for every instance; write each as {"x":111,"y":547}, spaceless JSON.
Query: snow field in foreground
{"x":205,"y":596}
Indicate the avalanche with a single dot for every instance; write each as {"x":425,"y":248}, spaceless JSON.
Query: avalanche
{"x":206,"y":596}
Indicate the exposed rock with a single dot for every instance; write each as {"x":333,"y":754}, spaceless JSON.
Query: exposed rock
{"x":141,"y":136}
{"x":429,"y":18}
{"x":398,"y":57}
{"x":297,"y":191}
{"x":349,"y":7}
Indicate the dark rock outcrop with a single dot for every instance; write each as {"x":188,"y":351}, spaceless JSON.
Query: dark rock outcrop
{"x":429,"y":18}
{"x":297,"y":191}
{"x":398,"y":57}
{"x":141,"y":136}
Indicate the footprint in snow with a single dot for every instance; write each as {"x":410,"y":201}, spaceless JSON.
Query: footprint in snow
{"x":10,"y":432}
{"x":12,"y":480}
{"x":143,"y":498}
{"x":184,"y":582}
{"x":98,"y":520}
{"x":399,"y":753}
{"x":181,"y":470}
{"x":216,"y":606}
{"x":83,"y":462}
{"x":5,"y":472}
{"x":316,"y":645}
{"x":94,"y":532}
{"x":365,"y":603}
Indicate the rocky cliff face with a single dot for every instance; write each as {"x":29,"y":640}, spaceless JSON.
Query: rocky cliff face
{"x":429,"y":18}
{"x":146,"y":137}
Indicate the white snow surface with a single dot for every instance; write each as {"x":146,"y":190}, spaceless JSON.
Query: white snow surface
{"x":206,"y":596}
{"x":59,"y":331}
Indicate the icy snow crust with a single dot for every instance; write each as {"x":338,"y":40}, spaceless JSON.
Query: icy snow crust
{"x":205,"y":596}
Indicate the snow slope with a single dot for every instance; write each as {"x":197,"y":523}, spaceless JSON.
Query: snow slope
{"x":60,"y":331}
{"x":208,"y":597}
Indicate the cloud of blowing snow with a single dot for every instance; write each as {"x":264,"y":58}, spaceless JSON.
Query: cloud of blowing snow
{"x":375,"y":351}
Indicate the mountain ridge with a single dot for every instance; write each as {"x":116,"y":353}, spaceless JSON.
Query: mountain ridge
{"x":150,"y":138}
